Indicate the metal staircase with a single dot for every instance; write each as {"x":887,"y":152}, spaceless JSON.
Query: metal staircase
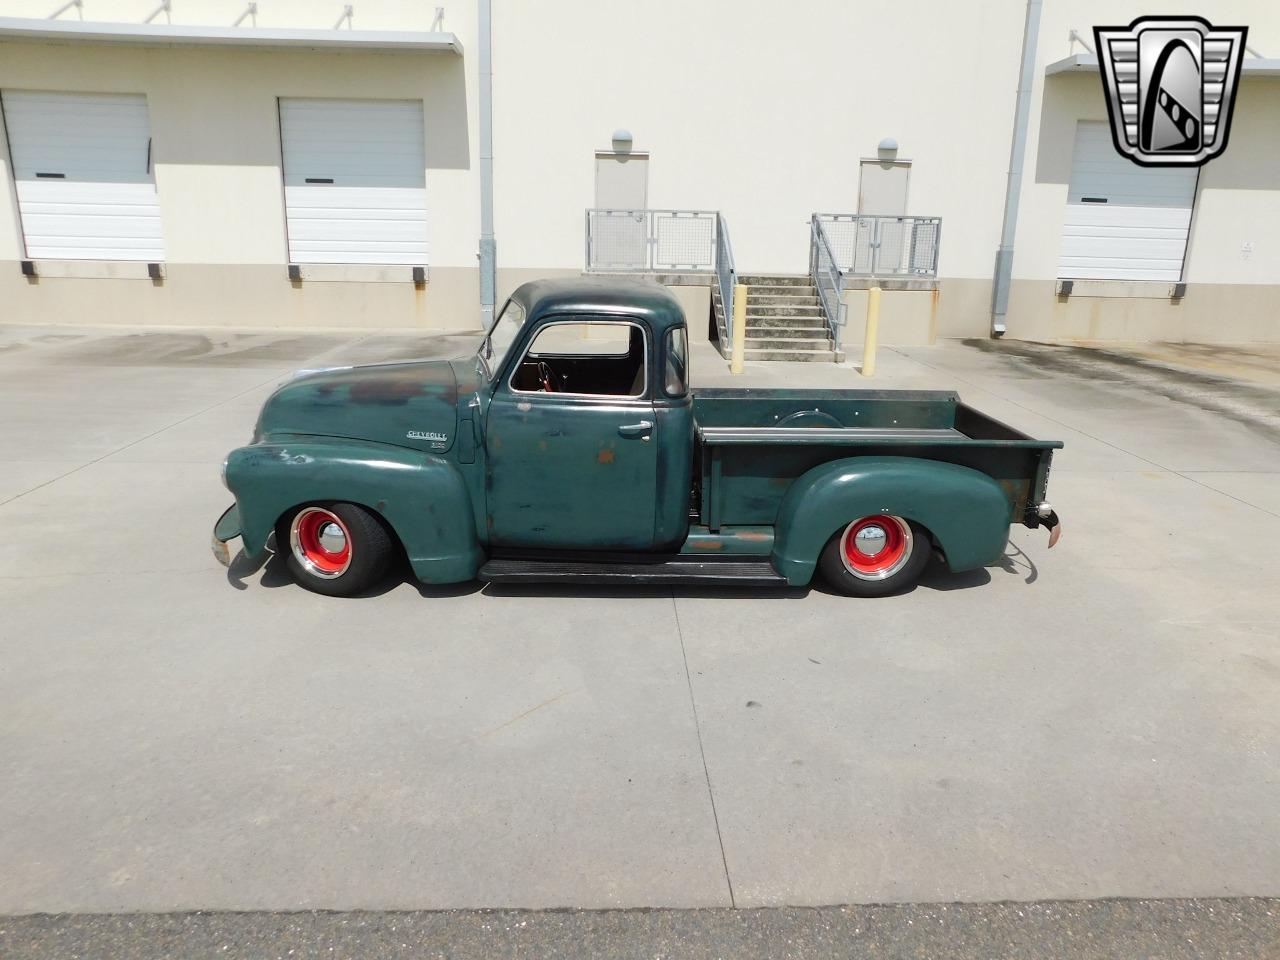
{"x":784,"y":321}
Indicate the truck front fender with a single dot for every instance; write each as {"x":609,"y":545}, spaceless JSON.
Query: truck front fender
{"x":966,"y":511}
{"x":422,"y":497}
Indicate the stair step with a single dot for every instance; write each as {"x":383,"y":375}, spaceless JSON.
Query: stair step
{"x":823,"y":356}
{"x":786,"y":317}
{"x":770,"y":300}
{"x":782,"y":290}
{"x":770,"y":324}
{"x":787,"y":346}
{"x":776,"y":280}
{"x":787,"y":333}
{"x":746,"y":573}
{"x":777,"y":310}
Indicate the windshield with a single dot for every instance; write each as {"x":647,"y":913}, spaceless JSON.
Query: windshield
{"x":503,"y":333}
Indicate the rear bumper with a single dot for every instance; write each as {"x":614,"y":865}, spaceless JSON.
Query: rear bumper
{"x":1043,"y":515}
{"x":227,"y":528}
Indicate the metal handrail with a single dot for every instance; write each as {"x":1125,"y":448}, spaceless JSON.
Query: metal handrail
{"x":726,"y":274}
{"x":828,"y":277}
{"x":884,"y":246}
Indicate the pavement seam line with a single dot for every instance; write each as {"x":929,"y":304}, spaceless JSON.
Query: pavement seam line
{"x":177,"y":423}
{"x":1107,"y":443}
{"x":702,"y":752}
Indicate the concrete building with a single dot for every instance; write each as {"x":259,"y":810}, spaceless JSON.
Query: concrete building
{"x":307,"y":163}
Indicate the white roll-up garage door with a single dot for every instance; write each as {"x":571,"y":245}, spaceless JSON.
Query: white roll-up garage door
{"x":82,"y":165}
{"x":355,"y":181}
{"x":1123,"y":221}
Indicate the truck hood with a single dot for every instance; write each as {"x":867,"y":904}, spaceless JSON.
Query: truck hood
{"x":411,"y":404}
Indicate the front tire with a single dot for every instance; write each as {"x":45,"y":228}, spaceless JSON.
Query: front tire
{"x":875,"y":556}
{"x":337,"y":549}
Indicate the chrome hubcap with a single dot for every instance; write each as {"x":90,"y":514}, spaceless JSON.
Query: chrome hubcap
{"x":870,"y":540}
{"x":332,"y":538}
{"x":875,"y":548}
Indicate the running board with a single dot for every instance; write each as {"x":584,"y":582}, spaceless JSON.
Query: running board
{"x":682,"y":570}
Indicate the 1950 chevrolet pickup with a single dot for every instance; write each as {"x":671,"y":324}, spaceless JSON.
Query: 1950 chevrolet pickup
{"x":571,"y":446}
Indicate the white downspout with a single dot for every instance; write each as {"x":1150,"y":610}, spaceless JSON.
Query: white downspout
{"x":1013,"y":190}
{"x":488,"y":246}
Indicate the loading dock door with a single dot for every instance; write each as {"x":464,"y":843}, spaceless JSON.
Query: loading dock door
{"x":354,"y":181}
{"x":1123,"y":222}
{"x":83,"y":172}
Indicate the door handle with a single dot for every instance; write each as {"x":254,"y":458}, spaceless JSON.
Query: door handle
{"x":641,"y":429}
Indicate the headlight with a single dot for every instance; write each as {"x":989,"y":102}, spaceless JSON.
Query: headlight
{"x":223,"y":472}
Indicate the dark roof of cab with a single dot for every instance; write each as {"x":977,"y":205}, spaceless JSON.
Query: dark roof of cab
{"x":645,"y":299}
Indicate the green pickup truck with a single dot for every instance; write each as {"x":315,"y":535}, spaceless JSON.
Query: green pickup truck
{"x":572,"y":447}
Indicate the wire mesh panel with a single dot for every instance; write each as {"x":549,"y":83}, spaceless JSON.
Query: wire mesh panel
{"x":824,"y":269}
{"x":726,"y":273}
{"x":617,"y":240}
{"x":884,"y":246}
{"x":683,"y":240}
{"x":652,"y":240}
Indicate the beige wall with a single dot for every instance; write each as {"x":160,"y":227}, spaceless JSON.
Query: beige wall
{"x":1237,"y":200}
{"x":760,"y":116}
{"x":757,"y":111}
{"x":216,"y":151}
{"x":1209,"y":313}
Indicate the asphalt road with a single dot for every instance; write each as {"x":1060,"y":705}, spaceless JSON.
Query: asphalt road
{"x":1240,"y":929}
{"x":1090,"y":723}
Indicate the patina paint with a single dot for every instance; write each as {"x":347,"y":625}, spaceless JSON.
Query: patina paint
{"x":966,"y":511}
{"x":422,"y":497}
{"x":456,"y":463}
{"x":412,"y":405}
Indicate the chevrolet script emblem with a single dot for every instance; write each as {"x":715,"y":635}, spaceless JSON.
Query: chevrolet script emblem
{"x":1170,"y":84}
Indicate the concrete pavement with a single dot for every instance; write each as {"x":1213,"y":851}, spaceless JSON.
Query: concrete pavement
{"x":1095,"y":722}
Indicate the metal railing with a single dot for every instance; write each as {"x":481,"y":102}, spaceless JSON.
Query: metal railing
{"x":649,"y":241}
{"x":872,"y":246}
{"x":726,"y":275}
{"x":827,"y":276}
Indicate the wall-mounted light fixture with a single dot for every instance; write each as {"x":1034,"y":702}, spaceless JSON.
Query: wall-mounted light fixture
{"x":887,"y":149}
{"x":622,"y":140}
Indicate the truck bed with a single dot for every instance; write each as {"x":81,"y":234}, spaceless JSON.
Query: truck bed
{"x":750,"y":444}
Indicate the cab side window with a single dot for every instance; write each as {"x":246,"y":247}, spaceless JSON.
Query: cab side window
{"x":596,"y":358}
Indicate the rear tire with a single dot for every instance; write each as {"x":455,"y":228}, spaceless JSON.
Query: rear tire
{"x":336,"y":549}
{"x":875,"y":556}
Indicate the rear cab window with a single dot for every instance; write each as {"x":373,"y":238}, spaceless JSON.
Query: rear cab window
{"x":675,"y":366}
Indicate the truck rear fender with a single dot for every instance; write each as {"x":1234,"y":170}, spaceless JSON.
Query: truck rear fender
{"x":422,"y":497}
{"x":966,"y":511}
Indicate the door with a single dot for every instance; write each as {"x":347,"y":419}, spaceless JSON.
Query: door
{"x":571,"y":441}
{"x":354,"y":181}
{"x":619,"y":234}
{"x":1123,"y":222}
{"x":83,"y":172}
{"x":882,"y":188}
{"x":622,"y":181}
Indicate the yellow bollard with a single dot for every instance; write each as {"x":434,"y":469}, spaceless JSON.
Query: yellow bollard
{"x":873,"y":331}
{"x":739,"y":327}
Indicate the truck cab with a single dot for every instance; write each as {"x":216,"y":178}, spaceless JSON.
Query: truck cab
{"x":588,"y":427}
{"x":571,"y":445}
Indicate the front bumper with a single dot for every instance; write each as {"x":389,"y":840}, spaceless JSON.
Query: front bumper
{"x":227,"y":528}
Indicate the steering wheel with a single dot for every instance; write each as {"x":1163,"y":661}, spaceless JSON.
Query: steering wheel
{"x":550,"y":382}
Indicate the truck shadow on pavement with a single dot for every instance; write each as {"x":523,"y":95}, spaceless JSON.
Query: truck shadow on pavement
{"x":936,"y":576}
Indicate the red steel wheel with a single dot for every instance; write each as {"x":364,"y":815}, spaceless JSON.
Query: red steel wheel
{"x":875,"y":548}
{"x":321,"y":542}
